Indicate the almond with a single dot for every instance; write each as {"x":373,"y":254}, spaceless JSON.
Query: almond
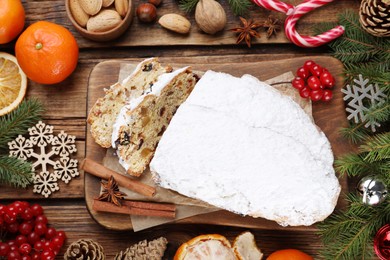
{"x":78,"y":13}
{"x":104,"y":21}
{"x":175,"y":22}
{"x":107,"y":3}
{"x":91,"y":7}
{"x":122,"y":6}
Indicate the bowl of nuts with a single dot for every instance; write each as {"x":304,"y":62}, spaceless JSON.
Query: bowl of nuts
{"x":100,"y":20}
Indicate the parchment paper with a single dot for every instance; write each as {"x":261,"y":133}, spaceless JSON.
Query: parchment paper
{"x":185,"y":207}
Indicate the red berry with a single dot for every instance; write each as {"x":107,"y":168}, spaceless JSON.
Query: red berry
{"x":20,"y":239}
{"x":27,"y":214}
{"x":4,"y":249}
{"x":327,"y":80}
{"x":48,"y":255}
{"x":13,"y":248}
{"x":25,"y":249}
{"x":302,"y":72}
{"x":25,"y":228}
{"x":50,"y":233}
{"x":314,"y":83}
{"x":13,"y":227}
{"x":41,"y":219}
{"x":57,"y":243}
{"x":33,"y":238}
{"x":316,"y":94}
{"x":305,"y":92}
{"x":2,"y":209}
{"x":327,"y":95}
{"x":316,"y":70}
{"x":308,"y":64}
{"x":61,"y":234}
{"x":35,"y":256}
{"x":14,"y":255}
{"x":37,"y":209}
{"x":298,"y":83}
{"x":11,"y":211}
{"x":19,"y":206}
{"x":40,"y":228}
{"x":38,"y":246}
{"x":11,"y":243}
{"x":26,"y":257}
{"x":8,"y":219}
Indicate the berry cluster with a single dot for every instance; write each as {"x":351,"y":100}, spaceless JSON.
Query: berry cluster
{"x":29,"y":236}
{"x":314,"y":82}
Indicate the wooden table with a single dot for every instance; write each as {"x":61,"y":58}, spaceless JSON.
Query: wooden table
{"x":66,"y":109}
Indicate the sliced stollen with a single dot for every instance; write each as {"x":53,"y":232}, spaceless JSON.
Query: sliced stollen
{"x":141,"y":123}
{"x":106,"y":109}
{"x":238,"y":144}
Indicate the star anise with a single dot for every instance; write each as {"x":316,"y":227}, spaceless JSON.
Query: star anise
{"x":111,"y":192}
{"x":247,"y":31}
{"x":272,"y":25}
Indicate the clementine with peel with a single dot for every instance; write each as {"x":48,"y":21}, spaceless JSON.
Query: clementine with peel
{"x":289,"y":254}
{"x":12,"y":18}
{"x":47,"y":52}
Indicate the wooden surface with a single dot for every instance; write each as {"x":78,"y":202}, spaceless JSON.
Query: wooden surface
{"x":328,"y":116}
{"x":66,"y":109}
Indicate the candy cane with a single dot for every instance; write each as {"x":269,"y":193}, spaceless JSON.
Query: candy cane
{"x":293,"y":15}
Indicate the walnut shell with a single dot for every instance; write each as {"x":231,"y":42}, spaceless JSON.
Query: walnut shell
{"x":210,"y":16}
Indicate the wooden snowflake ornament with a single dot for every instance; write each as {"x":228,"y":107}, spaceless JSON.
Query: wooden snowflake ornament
{"x":48,"y":153}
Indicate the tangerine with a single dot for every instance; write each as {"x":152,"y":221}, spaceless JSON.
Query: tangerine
{"x":47,"y":52}
{"x":12,"y":18}
{"x":289,"y":254}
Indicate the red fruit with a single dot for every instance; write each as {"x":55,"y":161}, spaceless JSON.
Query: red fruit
{"x":316,"y":95}
{"x":61,"y":234}
{"x":13,"y":227}
{"x":305,"y":92}
{"x":11,"y":211}
{"x":41,"y":219}
{"x":40,"y":228}
{"x":57,"y":243}
{"x":27,"y":214}
{"x":19,"y":206}
{"x":316,"y":70}
{"x":327,"y":80}
{"x":26,"y":257}
{"x":25,"y":249}
{"x":298,"y":83}
{"x":14,"y":255}
{"x":37,"y":209}
{"x":327,"y":95}
{"x":25,"y":228}
{"x":303,"y":73}
{"x":48,"y":255}
{"x":9,"y":220}
{"x":35,"y":256}
{"x":33,"y":238}
{"x":4,"y":249}
{"x":308,"y":64}
{"x":38,"y":246}
{"x":314,"y":83}
{"x":20,"y":239}
{"x":50,"y":233}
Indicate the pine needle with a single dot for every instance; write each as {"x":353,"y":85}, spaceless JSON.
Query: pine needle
{"x":187,"y":5}
{"x":351,"y":165}
{"x":356,"y":133}
{"x":377,"y":148}
{"x":15,"y":172}
{"x":238,"y":7}
{"x":27,"y":114}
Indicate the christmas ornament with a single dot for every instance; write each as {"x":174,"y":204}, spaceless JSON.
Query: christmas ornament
{"x":362,"y":95}
{"x":84,"y":249}
{"x":272,"y":25}
{"x":46,"y":150}
{"x":153,"y":250}
{"x":111,"y":192}
{"x":27,"y":226}
{"x":372,"y":189}
{"x":382,"y":242}
{"x":294,"y":13}
{"x":247,"y":31}
{"x":375,"y":17}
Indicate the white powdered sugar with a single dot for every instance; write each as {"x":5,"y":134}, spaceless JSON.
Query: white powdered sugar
{"x":238,"y":144}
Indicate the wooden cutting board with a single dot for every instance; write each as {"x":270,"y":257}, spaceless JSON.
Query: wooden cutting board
{"x":330,"y":117}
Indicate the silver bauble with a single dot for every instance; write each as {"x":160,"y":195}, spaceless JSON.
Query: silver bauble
{"x":372,"y":189}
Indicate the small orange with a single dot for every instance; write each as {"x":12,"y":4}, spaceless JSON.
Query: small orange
{"x":289,"y":254}
{"x":47,"y":52}
{"x":11,"y":19}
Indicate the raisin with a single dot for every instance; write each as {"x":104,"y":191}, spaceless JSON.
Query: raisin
{"x":147,"y":67}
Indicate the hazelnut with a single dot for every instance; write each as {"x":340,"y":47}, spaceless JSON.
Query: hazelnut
{"x":146,"y":13}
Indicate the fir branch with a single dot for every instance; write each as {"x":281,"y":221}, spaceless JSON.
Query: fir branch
{"x":379,"y":113}
{"x":188,"y":5}
{"x":351,"y":165}
{"x":239,"y":7}
{"x":356,"y":133}
{"x":349,"y":234}
{"x":377,"y":148}
{"x":15,"y":172}
{"x":27,"y":114}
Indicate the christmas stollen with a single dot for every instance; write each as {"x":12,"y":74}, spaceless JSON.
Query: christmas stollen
{"x":238,"y":144}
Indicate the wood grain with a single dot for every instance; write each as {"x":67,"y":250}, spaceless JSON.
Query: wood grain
{"x":140,"y":34}
{"x":328,"y":116}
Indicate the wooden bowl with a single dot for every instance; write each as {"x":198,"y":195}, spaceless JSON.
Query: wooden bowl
{"x":107,"y":35}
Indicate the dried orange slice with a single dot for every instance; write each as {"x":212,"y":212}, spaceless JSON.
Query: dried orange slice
{"x":13,"y":83}
{"x":245,"y":248}
{"x":206,"y":247}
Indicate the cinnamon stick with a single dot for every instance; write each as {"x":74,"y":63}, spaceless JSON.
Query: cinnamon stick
{"x":98,"y":170}
{"x":151,"y":210}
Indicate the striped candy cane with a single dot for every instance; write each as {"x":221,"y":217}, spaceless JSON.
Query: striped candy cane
{"x":294,"y":13}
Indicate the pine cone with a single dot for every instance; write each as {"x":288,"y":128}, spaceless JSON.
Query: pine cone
{"x":84,"y":249}
{"x":154,"y":250}
{"x":375,"y":17}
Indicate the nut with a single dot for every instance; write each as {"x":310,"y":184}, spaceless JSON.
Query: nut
{"x":78,"y":13}
{"x":210,"y":16}
{"x":107,"y":3}
{"x":91,"y":7}
{"x":146,"y":13}
{"x":122,"y":6}
{"x":155,"y":2}
{"x":175,"y":22}
{"x":104,"y":21}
